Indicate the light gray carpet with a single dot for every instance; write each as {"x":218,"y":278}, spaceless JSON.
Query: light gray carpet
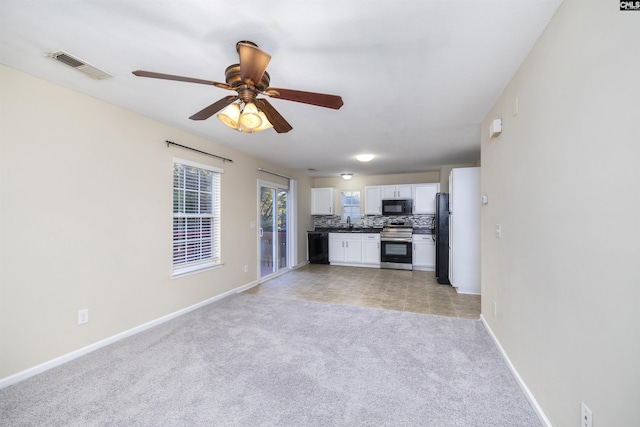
{"x":249,"y":360}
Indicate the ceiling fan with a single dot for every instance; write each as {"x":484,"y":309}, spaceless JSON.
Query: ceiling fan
{"x":249,"y":79}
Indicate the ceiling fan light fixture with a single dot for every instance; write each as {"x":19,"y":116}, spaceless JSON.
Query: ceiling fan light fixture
{"x":265,"y":122}
{"x":264,"y":126}
{"x":230,"y":116}
{"x":249,"y":118}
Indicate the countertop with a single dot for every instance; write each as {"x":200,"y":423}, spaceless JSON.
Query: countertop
{"x":423,"y":231}
{"x":363,"y":230}
{"x":346,"y":230}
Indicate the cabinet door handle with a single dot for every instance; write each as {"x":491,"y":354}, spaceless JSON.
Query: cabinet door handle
{"x":347,"y":244}
{"x":260,"y":231}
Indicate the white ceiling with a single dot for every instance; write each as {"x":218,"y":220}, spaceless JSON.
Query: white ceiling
{"x":417,"y":77}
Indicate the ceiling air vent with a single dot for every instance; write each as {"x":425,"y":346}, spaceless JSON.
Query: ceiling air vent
{"x":78,"y":64}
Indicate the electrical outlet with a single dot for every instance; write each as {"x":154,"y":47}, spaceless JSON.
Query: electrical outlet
{"x":586,"y":417}
{"x":498,"y":231}
{"x":83,"y":316}
{"x":495,"y":308}
{"x":246,"y":268}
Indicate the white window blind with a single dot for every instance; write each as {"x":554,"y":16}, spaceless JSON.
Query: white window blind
{"x":351,"y":205}
{"x":196,"y":215}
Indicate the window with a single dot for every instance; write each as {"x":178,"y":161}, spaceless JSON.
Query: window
{"x":196,"y":216}
{"x":351,"y":205}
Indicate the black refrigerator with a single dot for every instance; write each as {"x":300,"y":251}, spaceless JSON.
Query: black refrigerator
{"x":442,"y":238}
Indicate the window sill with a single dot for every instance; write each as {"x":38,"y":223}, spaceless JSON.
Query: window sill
{"x":193,"y":269}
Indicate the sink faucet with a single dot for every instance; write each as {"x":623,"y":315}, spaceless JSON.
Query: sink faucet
{"x":349,"y":222}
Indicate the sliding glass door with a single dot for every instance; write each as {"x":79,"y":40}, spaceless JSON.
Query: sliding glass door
{"x":273,"y":228}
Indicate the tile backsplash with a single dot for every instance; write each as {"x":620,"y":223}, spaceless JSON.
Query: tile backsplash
{"x":373,"y":221}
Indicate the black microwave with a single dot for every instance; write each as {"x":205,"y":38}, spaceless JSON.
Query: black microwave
{"x":396,"y":207}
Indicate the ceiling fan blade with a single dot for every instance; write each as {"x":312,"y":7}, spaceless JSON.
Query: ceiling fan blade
{"x":153,"y":75}
{"x":253,"y":62}
{"x":312,"y":98}
{"x":209,"y":111}
{"x":279,"y":123}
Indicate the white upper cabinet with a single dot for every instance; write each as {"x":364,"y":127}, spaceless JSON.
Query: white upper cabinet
{"x":373,"y":200}
{"x":322,"y":201}
{"x":424,"y":198}
{"x":396,"y":191}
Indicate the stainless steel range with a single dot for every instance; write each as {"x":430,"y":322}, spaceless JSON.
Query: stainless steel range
{"x":396,"y":246}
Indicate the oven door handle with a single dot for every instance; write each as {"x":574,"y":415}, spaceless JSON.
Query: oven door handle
{"x":395,"y":239}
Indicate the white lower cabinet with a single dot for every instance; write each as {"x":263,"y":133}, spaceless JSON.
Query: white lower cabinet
{"x":424,"y":252}
{"x":354,"y":249}
{"x":336,"y":248}
{"x":371,"y":249}
{"x":345,"y":248}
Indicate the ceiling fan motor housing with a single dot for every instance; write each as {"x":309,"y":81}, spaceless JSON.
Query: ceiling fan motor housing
{"x":233,"y":79}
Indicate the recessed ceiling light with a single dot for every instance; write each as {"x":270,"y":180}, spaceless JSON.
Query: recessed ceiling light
{"x":365,"y":157}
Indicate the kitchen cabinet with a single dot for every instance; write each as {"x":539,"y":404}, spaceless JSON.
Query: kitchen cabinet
{"x":424,"y":198}
{"x":345,"y":248}
{"x":353,"y":249}
{"x":373,"y":200}
{"x":336,"y":248}
{"x":424,"y":252}
{"x":322,"y":201}
{"x":371,"y":249}
{"x":396,"y":191}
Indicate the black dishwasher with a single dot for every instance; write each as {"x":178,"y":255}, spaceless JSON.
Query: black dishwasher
{"x":318,"y":247}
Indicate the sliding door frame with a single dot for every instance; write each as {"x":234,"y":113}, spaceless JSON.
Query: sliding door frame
{"x":276,"y":187}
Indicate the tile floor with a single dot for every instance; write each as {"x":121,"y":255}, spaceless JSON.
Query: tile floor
{"x":415,"y":291}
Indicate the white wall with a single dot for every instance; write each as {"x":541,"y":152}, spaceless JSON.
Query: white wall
{"x":85,"y":220}
{"x":562,"y":180}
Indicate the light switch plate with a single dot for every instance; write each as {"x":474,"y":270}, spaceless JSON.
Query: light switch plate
{"x":495,"y":128}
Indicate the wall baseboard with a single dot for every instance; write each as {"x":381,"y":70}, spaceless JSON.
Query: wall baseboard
{"x":28,"y":373}
{"x":302,"y":264}
{"x":536,"y":407}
